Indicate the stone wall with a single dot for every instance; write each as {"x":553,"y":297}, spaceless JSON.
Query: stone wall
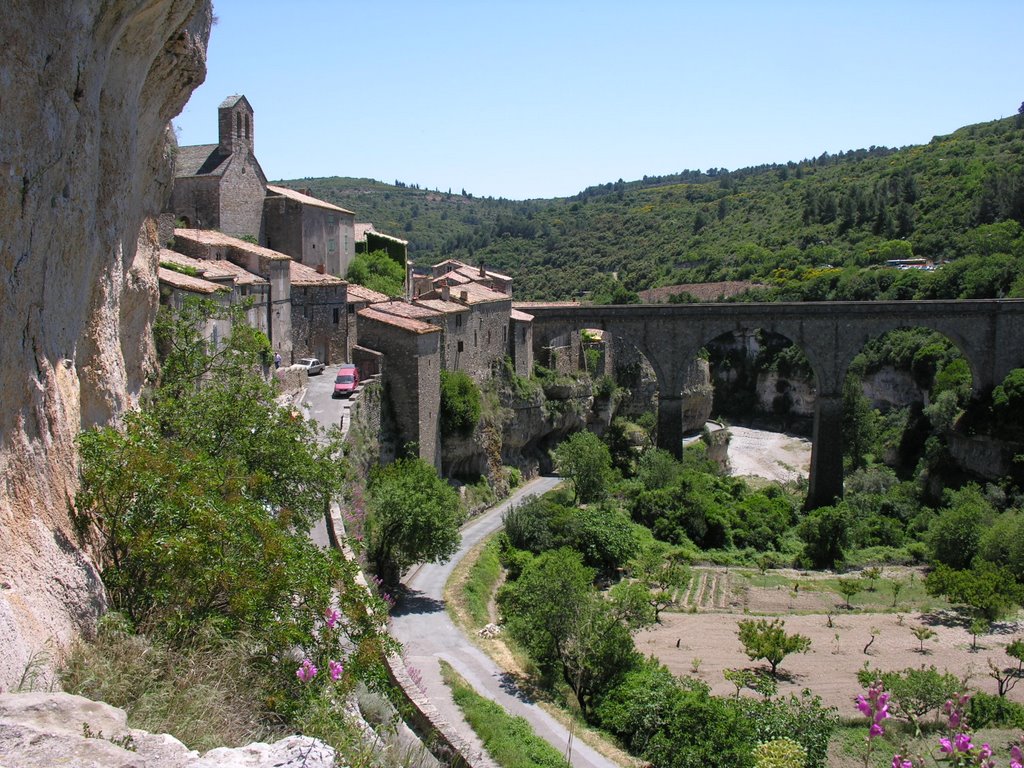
{"x":319,"y":323}
{"x":88,"y":88}
{"x":242,"y":189}
{"x":412,"y":379}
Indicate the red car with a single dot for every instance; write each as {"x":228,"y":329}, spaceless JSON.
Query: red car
{"x":346,"y":381}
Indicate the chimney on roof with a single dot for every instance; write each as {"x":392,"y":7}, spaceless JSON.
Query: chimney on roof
{"x":320,"y":269}
{"x":483,"y":272}
{"x":446,"y":292}
{"x":464,"y":296}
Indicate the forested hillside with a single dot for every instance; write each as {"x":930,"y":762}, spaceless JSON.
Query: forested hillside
{"x":810,"y":229}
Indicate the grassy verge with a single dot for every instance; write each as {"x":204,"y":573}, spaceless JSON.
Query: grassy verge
{"x":509,"y":740}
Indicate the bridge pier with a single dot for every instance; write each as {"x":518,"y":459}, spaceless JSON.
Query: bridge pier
{"x":670,"y":423}
{"x":825,"y":482}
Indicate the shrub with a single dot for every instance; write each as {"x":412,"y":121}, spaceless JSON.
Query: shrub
{"x":460,"y":403}
{"x":768,"y":640}
{"x":780,"y":753}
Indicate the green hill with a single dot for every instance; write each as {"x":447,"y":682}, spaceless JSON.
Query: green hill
{"x":810,"y":229}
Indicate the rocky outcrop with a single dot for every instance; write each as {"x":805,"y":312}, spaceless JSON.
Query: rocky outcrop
{"x":47,"y":729}
{"x":88,"y":88}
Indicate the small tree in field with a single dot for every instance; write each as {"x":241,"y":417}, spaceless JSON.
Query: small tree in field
{"x":768,"y":640}
{"x":922,"y":633}
{"x":848,"y":588}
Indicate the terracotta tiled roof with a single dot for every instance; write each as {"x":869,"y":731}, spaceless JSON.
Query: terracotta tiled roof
{"x":210,"y":270}
{"x":405,"y":309}
{"x":212,"y":237}
{"x":477,"y":294}
{"x":362,"y":293}
{"x":522,"y":317}
{"x":188,"y":282}
{"x":305,"y":275}
{"x":529,"y":304}
{"x":405,"y":323}
{"x":440,"y":305}
{"x":304,"y":199}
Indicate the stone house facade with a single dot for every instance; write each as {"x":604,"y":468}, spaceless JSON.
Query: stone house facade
{"x":412,"y":376}
{"x":319,"y":315}
{"x":242,"y":285}
{"x":359,"y":297}
{"x":271,"y":266}
{"x":221,"y":186}
{"x":176,"y":287}
{"x":311,"y":231}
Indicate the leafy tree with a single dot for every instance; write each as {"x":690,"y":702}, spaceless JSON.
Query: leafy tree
{"x":412,"y":516}
{"x":200,"y":508}
{"x":914,"y":692}
{"x":529,"y":525}
{"x":663,"y":572}
{"x":922,"y":633}
{"x":956,"y":533}
{"x":848,"y":588}
{"x":860,"y":430}
{"x":568,"y":629}
{"x":768,"y":640}
{"x":989,"y":591}
{"x":604,"y":537}
{"x":825,"y":532}
{"x":378,"y":272}
{"x":586,"y":461}
{"x":460,"y":403}
{"x":802,"y":718}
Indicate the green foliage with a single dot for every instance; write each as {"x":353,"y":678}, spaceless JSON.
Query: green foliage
{"x":988,"y":590}
{"x":801,"y":718}
{"x":509,"y":740}
{"x":460,"y":403}
{"x":200,"y":510}
{"x":825,"y":532}
{"x":568,"y":629}
{"x":604,"y":537}
{"x":914,"y":692}
{"x":413,"y":516}
{"x":955,"y":533}
{"x":586,"y":461}
{"x":777,"y":224}
{"x":768,"y":640}
{"x":780,"y":753}
{"x":378,"y":272}
{"x":662,"y":571}
{"x":480,"y":583}
{"x":675,"y":723}
{"x":987,"y":711}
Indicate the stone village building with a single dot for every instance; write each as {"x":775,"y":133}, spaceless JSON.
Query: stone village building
{"x":287,"y":253}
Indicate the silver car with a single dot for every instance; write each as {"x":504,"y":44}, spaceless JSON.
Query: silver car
{"x":312,"y":365}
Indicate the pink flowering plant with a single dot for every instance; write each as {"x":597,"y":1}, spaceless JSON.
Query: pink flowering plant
{"x":956,"y":746}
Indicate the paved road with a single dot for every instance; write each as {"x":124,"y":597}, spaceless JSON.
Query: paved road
{"x":328,"y":412}
{"x":422,"y":625}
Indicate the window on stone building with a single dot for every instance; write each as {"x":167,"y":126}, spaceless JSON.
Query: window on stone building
{"x":460,"y":346}
{"x":351,"y":309}
{"x":504,"y":334}
{"x":337,"y":315}
{"x":238,"y":125}
{"x":458,"y":321}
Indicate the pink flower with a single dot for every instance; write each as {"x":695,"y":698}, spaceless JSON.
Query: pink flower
{"x":875,"y":730}
{"x":306,"y":671}
{"x":984,"y":753}
{"x":901,"y":762}
{"x":334,"y":669}
{"x":863,"y":706}
{"x":946,"y":746}
{"x":963,"y":742}
{"x":954,"y":720}
{"x":1015,"y":754}
{"x":332,"y":617}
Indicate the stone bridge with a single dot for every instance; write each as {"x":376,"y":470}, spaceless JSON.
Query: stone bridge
{"x":989,"y":333}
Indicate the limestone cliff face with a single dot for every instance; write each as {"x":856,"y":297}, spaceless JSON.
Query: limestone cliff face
{"x":87,"y":88}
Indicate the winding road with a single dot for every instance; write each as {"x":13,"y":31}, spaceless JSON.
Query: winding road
{"x":423,"y":627}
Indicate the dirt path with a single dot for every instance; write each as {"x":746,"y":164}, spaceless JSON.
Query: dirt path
{"x":772,"y":455}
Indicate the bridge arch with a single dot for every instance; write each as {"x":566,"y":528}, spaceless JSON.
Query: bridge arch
{"x":989,"y":332}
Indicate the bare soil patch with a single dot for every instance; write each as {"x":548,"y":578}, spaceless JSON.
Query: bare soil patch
{"x":774,"y":456}
{"x":707,"y":641}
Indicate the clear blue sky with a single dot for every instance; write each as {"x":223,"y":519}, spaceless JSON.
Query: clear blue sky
{"x":539,"y":98}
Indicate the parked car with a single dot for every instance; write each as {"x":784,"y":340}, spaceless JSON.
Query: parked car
{"x":346,"y":381}
{"x":312,"y":365}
